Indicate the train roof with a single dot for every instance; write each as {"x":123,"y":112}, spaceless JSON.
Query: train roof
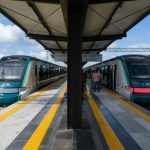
{"x":126,"y":57}
{"x":26,"y":57}
{"x":123,"y":57}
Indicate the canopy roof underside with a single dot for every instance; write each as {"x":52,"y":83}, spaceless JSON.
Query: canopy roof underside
{"x":106,"y":21}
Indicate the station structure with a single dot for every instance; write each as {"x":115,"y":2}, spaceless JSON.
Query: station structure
{"x":75,"y":27}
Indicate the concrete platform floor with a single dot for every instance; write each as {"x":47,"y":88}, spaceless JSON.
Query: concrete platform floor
{"x":14,"y":119}
{"x":79,"y":139}
{"x":136,"y":126}
{"x":131,"y":130}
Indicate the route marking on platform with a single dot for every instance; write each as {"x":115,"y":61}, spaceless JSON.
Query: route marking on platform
{"x":19,"y":106}
{"x":109,"y":135}
{"x":129,"y":106}
{"x":38,"y":135}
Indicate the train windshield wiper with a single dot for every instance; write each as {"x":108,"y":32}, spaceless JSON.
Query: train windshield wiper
{"x":3,"y":74}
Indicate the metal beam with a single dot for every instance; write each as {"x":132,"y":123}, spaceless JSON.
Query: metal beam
{"x":65,"y":50}
{"x":38,"y":14}
{"x":139,"y":19}
{"x":18,"y":24}
{"x":131,"y":26}
{"x":90,"y":1}
{"x":92,"y":50}
{"x":64,"y":9}
{"x":77,"y":10}
{"x":41,"y":18}
{"x":106,"y":1}
{"x":111,"y":16}
{"x":56,"y":50}
{"x":13,"y":20}
{"x":109,"y":19}
{"x":84,"y":39}
{"x":103,"y":37}
{"x":44,"y":1}
{"x":47,"y":37}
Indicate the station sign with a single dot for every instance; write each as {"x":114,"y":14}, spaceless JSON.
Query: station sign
{"x":85,"y":57}
{"x":60,"y":57}
{"x":92,"y":57}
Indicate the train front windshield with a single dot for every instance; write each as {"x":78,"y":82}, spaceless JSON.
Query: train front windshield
{"x":139,"y":71}
{"x":11,"y":70}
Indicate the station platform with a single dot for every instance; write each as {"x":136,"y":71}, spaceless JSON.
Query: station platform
{"x":122,"y":124}
{"x":40,"y":122}
{"x":22,"y":119}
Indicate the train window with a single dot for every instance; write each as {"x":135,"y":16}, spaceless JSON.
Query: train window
{"x":12,"y":69}
{"x":49,"y":72}
{"x":139,"y":69}
{"x":52,"y":71}
{"x":40,"y":72}
{"x":35,"y":70}
{"x":105,"y":73}
{"x":45,"y":72}
{"x":102,"y":71}
{"x":58,"y":70}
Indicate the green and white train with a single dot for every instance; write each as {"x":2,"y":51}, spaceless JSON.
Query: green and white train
{"x":22,"y":75}
{"x":128,"y":75}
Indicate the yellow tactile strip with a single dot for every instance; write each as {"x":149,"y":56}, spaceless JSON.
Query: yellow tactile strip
{"x":129,"y":106}
{"x":109,"y":135}
{"x":20,"y":106}
{"x":38,"y":135}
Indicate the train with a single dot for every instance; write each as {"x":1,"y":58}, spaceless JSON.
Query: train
{"x":23,"y":75}
{"x":127,"y":75}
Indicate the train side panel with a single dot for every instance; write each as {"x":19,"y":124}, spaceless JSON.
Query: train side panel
{"x":128,"y":75}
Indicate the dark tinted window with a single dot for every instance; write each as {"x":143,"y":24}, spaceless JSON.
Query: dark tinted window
{"x":11,"y":69}
{"x":139,"y":68}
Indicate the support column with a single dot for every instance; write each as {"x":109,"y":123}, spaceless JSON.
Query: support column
{"x":76,"y":18}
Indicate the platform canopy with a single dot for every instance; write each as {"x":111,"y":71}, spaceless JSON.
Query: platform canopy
{"x":46,"y":21}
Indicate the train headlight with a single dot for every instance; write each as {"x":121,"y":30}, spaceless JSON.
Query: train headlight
{"x":129,"y":89}
{"x":22,"y":90}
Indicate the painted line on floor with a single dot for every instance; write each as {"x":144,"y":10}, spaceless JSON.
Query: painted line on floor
{"x":20,"y":106}
{"x":109,"y":135}
{"x":35,"y":140}
{"x":129,"y":106}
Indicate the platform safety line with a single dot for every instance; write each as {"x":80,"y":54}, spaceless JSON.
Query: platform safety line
{"x":20,"y":106}
{"x":35,"y":140}
{"x":129,"y":106}
{"x":109,"y":135}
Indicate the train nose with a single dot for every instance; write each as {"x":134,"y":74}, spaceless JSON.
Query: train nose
{"x":1,"y":99}
{"x":7,"y":99}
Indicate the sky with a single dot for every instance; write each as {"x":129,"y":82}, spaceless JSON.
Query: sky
{"x":13,"y":41}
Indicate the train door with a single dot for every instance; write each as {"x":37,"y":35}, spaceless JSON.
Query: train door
{"x":115,"y":76}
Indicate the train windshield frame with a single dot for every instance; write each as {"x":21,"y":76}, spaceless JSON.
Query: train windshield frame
{"x":139,"y":68}
{"x":12,"y":70}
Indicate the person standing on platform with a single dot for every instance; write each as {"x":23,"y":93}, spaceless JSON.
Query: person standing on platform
{"x":96,"y":78}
